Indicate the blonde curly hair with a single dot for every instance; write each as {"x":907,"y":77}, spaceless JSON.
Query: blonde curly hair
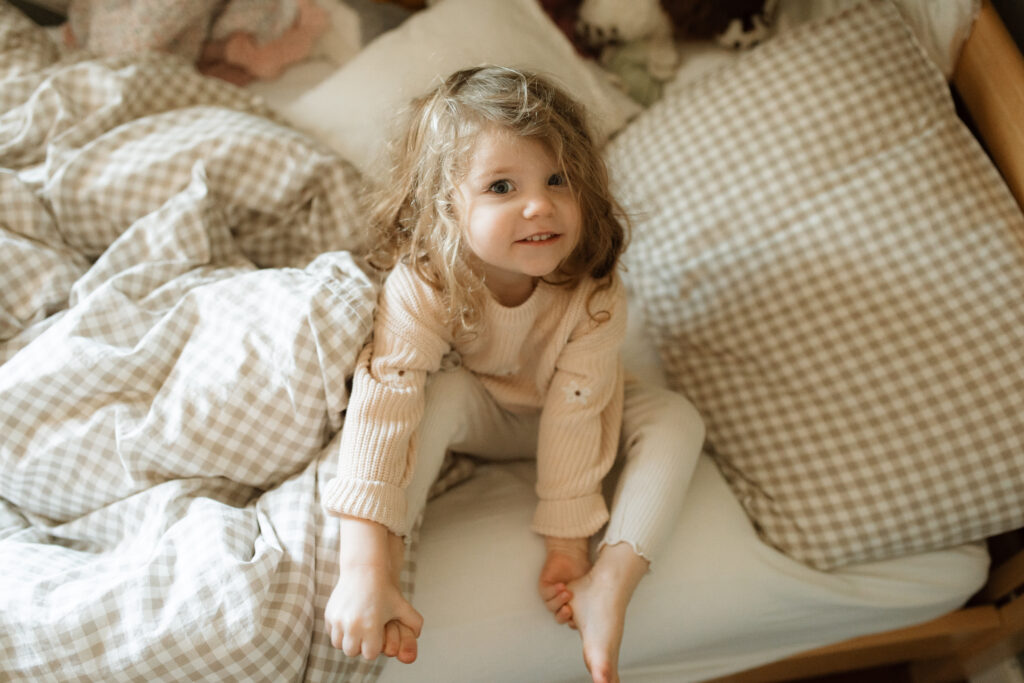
{"x":414,"y":212}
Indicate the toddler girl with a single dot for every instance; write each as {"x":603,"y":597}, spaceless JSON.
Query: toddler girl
{"x":498,"y":333}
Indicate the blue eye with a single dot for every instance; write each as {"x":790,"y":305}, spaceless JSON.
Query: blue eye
{"x":556,"y":179}
{"x":500,"y":187}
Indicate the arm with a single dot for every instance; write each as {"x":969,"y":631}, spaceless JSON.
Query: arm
{"x":578,"y":442}
{"x":580,"y":421}
{"x":367,"y":596}
{"x":368,"y":497}
{"x":366,"y":613}
{"x":386,"y":404}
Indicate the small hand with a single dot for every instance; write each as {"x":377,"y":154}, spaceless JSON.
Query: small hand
{"x":362,"y":607}
{"x":567,"y":560}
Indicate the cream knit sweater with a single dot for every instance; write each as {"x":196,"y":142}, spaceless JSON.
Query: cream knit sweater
{"x":546,"y":354}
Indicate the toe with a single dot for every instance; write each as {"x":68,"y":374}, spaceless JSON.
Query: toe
{"x":392,"y":639}
{"x":407,"y":649}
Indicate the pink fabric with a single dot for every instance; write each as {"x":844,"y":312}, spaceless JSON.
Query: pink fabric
{"x":547,"y":356}
{"x":237,"y":40}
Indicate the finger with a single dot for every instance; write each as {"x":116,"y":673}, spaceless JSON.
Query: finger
{"x":372,"y":645}
{"x":336,"y":635}
{"x":411,"y":618}
{"x":392,"y":639}
{"x":549,"y":590}
{"x":559,"y":601}
{"x":350,"y":645}
{"x":407,"y":648}
{"x":564,"y":615}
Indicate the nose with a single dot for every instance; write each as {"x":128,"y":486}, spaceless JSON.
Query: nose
{"x":538,"y":205}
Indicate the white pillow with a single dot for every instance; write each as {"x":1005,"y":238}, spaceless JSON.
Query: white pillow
{"x":352,"y":110}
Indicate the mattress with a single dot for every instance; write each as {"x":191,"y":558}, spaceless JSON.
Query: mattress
{"x":717,"y":599}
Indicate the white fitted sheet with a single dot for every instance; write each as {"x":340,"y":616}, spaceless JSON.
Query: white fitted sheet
{"x":716,"y":601}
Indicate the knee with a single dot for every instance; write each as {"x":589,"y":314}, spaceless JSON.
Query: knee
{"x":688,"y":416}
{"x":665,"y":414}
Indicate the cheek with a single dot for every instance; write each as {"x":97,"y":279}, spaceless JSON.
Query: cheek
{"x":464,"y":215}
{"x":488,"y":220}
{"x":476,"y":231}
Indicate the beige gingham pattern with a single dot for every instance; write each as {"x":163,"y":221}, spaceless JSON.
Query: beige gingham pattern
{"x":180,"y":308}
{"x":834,"y":272}
{"x":179,"y":27}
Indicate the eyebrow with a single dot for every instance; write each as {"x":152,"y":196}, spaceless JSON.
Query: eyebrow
{"x":489,"y":172}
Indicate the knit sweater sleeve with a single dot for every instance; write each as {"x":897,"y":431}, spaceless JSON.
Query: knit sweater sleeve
{"x":581,"y":420}
{"x":386,"y":403}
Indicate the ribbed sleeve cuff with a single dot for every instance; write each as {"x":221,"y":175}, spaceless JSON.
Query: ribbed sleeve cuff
{"x":573,"y":518}
{"x":372,"y":500}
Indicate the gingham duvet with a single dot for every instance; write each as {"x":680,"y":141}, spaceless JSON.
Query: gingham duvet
{"x":179,"y":311}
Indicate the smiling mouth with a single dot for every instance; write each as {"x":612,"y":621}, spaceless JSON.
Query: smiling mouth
{"x":545,"y":237}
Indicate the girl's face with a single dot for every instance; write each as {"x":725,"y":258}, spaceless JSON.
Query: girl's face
{"x":517,"y":213}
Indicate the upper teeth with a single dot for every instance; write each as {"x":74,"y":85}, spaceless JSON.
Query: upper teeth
{"x":538,"y":238}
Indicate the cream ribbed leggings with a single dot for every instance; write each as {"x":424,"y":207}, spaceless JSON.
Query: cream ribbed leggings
{"x":661,"y":438}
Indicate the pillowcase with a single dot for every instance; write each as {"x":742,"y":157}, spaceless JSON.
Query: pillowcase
{"x":353,"y":110}
{"x":832,"y":271}
{"x":941,"y":27}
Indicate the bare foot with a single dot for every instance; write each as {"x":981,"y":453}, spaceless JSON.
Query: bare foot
{"x":599,"y":603}
{"x":567,"y":560}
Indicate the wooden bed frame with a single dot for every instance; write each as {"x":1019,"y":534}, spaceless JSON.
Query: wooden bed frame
{"x":989,"y":80}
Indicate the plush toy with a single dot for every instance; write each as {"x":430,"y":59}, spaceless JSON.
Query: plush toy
{"x":636,"y":41}
{"x":733,"y":23}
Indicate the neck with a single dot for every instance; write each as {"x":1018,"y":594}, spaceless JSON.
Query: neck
{"x":512,"y":292}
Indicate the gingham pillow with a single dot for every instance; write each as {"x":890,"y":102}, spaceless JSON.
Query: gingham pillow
{"x":834,"y":272}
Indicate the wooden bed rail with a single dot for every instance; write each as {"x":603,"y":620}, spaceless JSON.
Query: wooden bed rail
{"x":943,"y":650}
{"x":989,"y":77}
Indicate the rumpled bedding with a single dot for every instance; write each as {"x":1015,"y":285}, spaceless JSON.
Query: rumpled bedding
{"x":237,"y":40}
{"x":181,"y":304}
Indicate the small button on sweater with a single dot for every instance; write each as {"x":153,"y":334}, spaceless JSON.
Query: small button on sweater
{"x":549,"y":354}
